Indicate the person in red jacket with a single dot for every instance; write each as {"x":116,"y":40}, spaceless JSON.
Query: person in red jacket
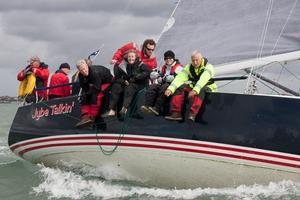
{"x":60,"y":78}
{"x":146,"y":54}
{"x":41,"y":72}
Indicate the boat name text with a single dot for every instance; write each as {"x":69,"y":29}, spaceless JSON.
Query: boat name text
{"x":56,"y":109}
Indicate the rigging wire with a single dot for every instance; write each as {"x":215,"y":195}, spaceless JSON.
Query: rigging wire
{"x":265,"y":29}
{"x":282,"y":30}
{"x":262,"y":42}
{"x":271,"y":64}
{"x":279,"y":75}
{"x":275,"y":45}
{"x":280,"y":34}
{"x":172,"y":14}
{"x":262,"y":82}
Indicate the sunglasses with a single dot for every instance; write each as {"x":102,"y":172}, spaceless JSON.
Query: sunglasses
{"x":149,"y":49}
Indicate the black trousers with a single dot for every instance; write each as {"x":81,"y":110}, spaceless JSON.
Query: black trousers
{"x":155,"y":95}
{"x":129,"y":91}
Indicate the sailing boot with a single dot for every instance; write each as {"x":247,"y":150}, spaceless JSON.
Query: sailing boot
{"x":175,"y":116}
{"x":85,"y":121}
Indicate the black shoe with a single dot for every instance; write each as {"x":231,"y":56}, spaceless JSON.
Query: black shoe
{"x":175,"y":116}
{"x":154,"y":110}
{"x":84,"y":122}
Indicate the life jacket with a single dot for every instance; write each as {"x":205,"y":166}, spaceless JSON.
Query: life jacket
{"x":194,"y":77}
{"x":27,"y":85}
{"x":176,"y":64}
{"x":33,"y":81}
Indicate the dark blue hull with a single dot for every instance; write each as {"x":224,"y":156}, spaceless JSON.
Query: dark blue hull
{"x":262,"y":122}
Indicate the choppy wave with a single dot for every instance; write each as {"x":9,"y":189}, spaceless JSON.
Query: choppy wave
{"x":6,"y":156}
{"x":4,"y":150}
{"x":67,"y":184}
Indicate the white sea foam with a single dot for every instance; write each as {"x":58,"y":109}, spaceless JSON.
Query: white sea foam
{"x":6,"y":156}
{"x":4,"y":150}
{"x":61,"y":184}
{"x":106,"y":172}
{"x":8,"y":162}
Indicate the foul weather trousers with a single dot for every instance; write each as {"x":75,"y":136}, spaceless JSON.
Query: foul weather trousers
{"x":178,"y":99}
{"x":92,"y":109}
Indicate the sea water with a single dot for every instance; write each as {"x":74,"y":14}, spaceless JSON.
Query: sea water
{"x":20,"y":179}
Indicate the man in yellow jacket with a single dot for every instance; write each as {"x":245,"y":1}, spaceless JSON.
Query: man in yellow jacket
{"x":196,"y":79}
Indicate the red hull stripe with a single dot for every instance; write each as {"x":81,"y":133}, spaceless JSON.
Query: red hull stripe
{"x":126,"y":138}
{"x":21,"y":153}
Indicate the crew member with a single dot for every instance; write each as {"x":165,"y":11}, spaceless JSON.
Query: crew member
{"x":130,"y":77}
{"x":194,"y":79}
{"x":155,"y":98}
{"x":145,"y":55}
{"x":60,"y":77}
{"x":41,"y":72}
{"x":94,"y":80}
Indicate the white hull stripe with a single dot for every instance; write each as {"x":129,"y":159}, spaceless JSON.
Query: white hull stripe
{"x":200,"y":147}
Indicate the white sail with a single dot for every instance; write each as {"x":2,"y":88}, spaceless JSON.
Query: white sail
{"x":232,"y":30}
{"x":235,"y":35}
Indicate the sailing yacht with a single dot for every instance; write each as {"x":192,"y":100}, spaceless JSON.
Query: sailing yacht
{"x":237,"y":138}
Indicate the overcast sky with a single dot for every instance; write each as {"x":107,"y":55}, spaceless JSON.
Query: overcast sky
{"x":64,"y":31}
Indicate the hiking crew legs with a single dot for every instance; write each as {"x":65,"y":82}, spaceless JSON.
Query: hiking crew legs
{"x":92,"y":109}
{"x":161,"y":98}
{"x":178,"y":99}
{"x":151,"y":94}
{"x":116,"y":91}
{"x":130,"y":92}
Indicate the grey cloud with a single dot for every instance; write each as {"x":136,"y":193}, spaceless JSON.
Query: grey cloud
{"x":58,"y":31}
{"x":135,"y":7}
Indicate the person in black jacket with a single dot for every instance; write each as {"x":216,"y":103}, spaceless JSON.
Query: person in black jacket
{"x":93,"y":80}
{"x":131,"y":76}
{"x":75,"y":79}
